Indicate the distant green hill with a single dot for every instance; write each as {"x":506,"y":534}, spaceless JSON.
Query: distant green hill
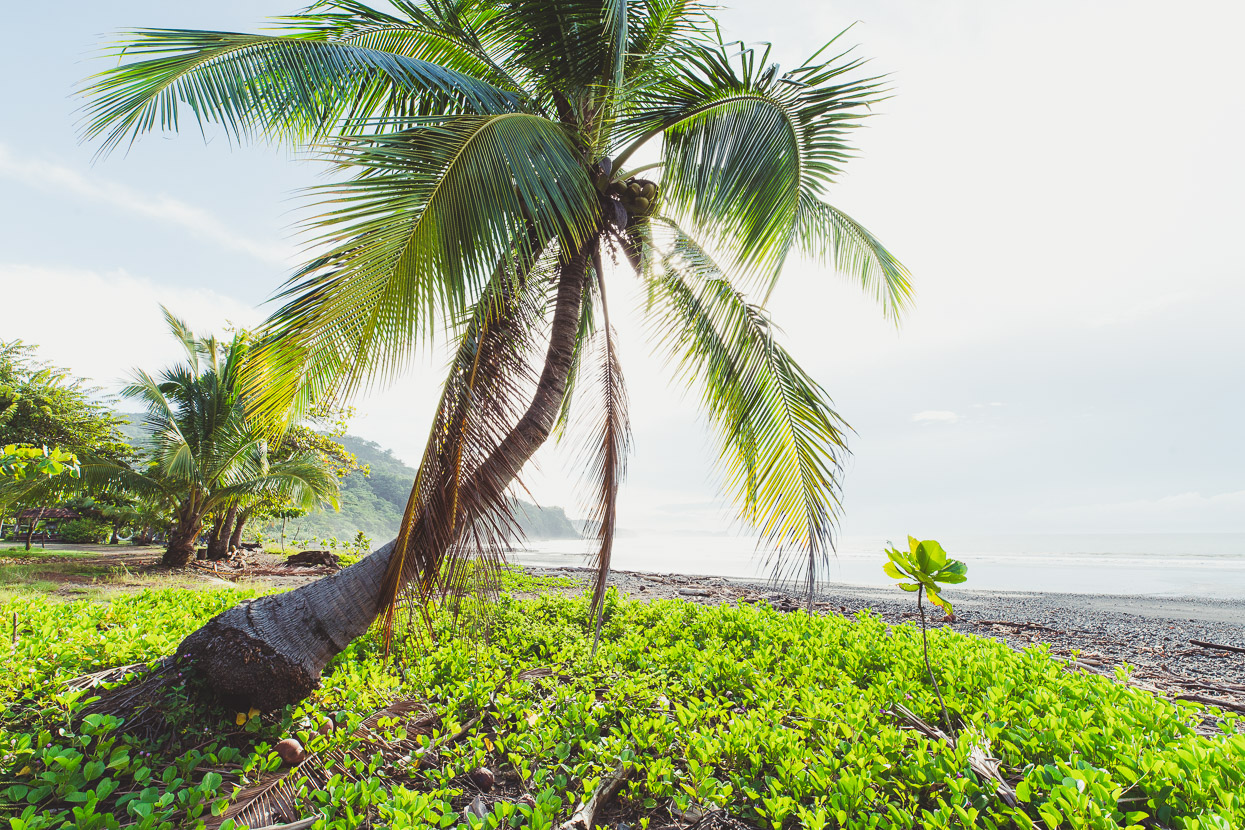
{"x":374,"y":503}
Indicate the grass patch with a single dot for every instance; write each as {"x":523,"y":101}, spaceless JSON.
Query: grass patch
{"x":781,"y":720}
{"x":39,"y":553}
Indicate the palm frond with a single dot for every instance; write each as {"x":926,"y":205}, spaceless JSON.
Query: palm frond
{"x":563,"y":45}
{"x":413,"y":240}
{"x":288,"y":87}
{"x":833,"y":237}
{"x":303,"y":478}
{"x":781,"y":441}
{"x":743,"y":144}
{"x":605,"y":456}
{"x":615,"y":18}
{"x":442,"y":33}
{"x":458,"y":521}
{"x":99,"y":475}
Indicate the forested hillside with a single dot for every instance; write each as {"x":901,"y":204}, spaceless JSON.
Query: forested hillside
{"x":374,"y":503}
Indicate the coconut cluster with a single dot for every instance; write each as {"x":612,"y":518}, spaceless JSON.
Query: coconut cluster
{"x":638,"y":196}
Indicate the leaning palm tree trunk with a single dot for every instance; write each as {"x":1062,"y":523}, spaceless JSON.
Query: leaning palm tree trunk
{"x":270,"y":651}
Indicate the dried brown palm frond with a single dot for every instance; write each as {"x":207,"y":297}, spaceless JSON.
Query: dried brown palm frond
{"x":272,"y":799}
{"x":141,"y":701}
{"x":458,"y":521}
{"x":605,"y":456}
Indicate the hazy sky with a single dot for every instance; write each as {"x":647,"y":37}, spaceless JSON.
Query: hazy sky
{"x":1064,"y":180}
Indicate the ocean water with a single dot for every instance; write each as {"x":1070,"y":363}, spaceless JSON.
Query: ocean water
{"x":1156,"y":564}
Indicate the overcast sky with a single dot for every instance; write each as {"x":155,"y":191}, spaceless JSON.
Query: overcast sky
{"x":1064,"y":180}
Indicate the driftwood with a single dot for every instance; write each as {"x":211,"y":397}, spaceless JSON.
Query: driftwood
{"x":1213,"y":701}
{"x":978,"y":761}
{"x":1237,"y":649}
{"x":311,"y":558}
{"x":582,"y":818}
{"x":1021,"y":626}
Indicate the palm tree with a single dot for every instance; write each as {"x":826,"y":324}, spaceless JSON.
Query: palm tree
{"x":207,"y":458}
{"x":492,"y":181}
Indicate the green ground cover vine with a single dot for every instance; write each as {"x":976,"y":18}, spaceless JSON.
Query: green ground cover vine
{"x":781,"y":719}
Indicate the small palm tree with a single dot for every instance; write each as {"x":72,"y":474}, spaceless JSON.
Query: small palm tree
{"x":206,"y":458}
{"x":493,"y":185}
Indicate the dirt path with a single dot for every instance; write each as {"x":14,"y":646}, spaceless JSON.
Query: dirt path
{"x":77,"y":571}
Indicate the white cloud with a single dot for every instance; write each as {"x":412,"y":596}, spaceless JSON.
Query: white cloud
{"x":201,"y":223}
{"x":101,"y":324}
{"x":944,"y":416}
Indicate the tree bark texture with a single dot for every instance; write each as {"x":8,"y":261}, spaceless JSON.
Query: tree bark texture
{"x":235,"y":538}
{"x":30,"y":532}
{"x":183,"y":536}
{"x":218,"y":542}
{"x":270,"y":651}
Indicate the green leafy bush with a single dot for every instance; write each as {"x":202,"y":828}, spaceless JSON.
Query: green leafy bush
{"x":783,"y":720}
{"x":84,"y":531}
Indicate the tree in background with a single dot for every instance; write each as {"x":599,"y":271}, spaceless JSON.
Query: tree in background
{"x":44,"y":406}
{"x":494,"y":149}
{"x":30,"y":467}
{"x":298,"y":441}
{"x":206,"y":459}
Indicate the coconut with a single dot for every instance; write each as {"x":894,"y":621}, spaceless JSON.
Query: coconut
{"x":642,"y":205}
{"x":616,"y":189}
{"x":483,"y":778}
{"x":635,"y":190}
{"x":326,"y":726}
{"x":649,"y":190}
{"x":291,"y":751}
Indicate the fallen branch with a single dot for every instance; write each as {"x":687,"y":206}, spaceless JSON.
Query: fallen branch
{"x":1237,"y":649}
{"x":582,"y":818}
{"x":1213,"y":701}
{"x":978,"y":761}
{"x":1020,"y":625}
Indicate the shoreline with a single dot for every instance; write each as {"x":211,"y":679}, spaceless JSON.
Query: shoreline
{"x":1151,"y":634}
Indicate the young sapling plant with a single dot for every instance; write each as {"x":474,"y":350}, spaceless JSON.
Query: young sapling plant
{"x":926,"y":565}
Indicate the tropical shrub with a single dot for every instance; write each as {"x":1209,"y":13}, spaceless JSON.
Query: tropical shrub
{"x":84,"y":531}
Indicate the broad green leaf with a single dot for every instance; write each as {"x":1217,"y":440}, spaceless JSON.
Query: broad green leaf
{"x":935,"y":555}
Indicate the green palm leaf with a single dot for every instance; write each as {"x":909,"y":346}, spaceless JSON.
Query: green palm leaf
{"x":830,"y":235}
{"x":304,"y":479}
{"x":412,"y":240}
{"x":779,"y":436}
{"x":279,"y":86}
{"x":744,"y":145}
{"x":448,"y":35}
